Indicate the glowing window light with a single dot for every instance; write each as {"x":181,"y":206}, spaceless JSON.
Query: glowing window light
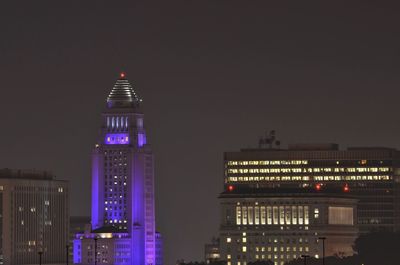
{"x":117,"y":138}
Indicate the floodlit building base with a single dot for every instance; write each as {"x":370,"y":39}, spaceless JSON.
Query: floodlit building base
{"x":112,"y":248}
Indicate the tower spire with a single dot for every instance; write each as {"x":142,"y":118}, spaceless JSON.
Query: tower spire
{"x":122,"y":94}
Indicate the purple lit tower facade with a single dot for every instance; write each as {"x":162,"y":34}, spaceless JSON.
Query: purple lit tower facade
{"x":123,"y":217}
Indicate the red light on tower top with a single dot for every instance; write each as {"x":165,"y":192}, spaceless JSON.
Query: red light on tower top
{"x":122,"y":75}
{"x":230,"y":188}
{"x":346,"y":188}
{"x":318,"y":186}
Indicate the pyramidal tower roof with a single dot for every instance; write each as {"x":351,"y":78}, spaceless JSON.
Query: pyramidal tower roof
{"x":123,"y":94}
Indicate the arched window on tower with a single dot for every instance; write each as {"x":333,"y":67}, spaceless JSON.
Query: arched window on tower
{"x":117,"y":124}
{"x":108,"y":122}
{"x":126,"y":122}
{"x":112,"y":122}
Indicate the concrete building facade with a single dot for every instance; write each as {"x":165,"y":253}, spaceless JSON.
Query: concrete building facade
{"x":267,"y":224}
{"x":34,"y":217}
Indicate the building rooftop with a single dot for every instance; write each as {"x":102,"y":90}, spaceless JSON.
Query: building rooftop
{"x":33,"y":174}
{"x":319,"y":147}
{"x":245,"y":191}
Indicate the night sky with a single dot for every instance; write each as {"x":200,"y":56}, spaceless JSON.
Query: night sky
{"x":214,"y":76}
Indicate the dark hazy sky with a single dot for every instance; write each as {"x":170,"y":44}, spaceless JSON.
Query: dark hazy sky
{"x":214,"y":75}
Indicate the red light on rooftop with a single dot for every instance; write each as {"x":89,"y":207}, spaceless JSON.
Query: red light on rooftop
{"x":122,"y":75}
{"x":346,"y":188}
{"x":230,"y":188}
{"x":318,"y":186}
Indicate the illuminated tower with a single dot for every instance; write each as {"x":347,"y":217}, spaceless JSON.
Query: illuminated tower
{"x":122,"y":186}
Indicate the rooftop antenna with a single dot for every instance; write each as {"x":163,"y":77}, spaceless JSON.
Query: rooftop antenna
{"x":269,"y":141}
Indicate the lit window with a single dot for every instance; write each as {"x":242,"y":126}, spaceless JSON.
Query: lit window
{"x":244,"y":211}
{"x":238,"y":215}
{"x":244,"y":249}
{"x":316,"y":213}
{"x":300,"y":214}
{"x":256,"y":215}
{"x":250,"y":215}
{"x":275,"y":215}
{"x":263,"y":215}
{"x":306,"y":216}
{"x":228,"y":240}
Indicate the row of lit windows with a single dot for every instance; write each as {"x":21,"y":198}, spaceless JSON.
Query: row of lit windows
{"x":117,"y":122}
{"x":115,"y":202}
{"x":275,"y":257}
{"x":115,"y":164}
{"x":268,"y":162}
{"x":117,"y":156}
{"x":115,"y":221}
{"x":306,"y":170}
{"x":307,"y":178}
{"x":272,"y":215}
{"x":113,"y":151}
{"x":110,"y":183}
{"x":269,"y":257}
{"x":270,"y":240}
{"x":115,"y":195}
{"x":116,"y":211}
{"x":282,"y":249}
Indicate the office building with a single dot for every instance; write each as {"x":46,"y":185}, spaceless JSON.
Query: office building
{"x":277,"y":203}
{"x":123,"y":219}
{"x":34,"y":218}
{"x":370,"y":174}
{"x":282,"y":224}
